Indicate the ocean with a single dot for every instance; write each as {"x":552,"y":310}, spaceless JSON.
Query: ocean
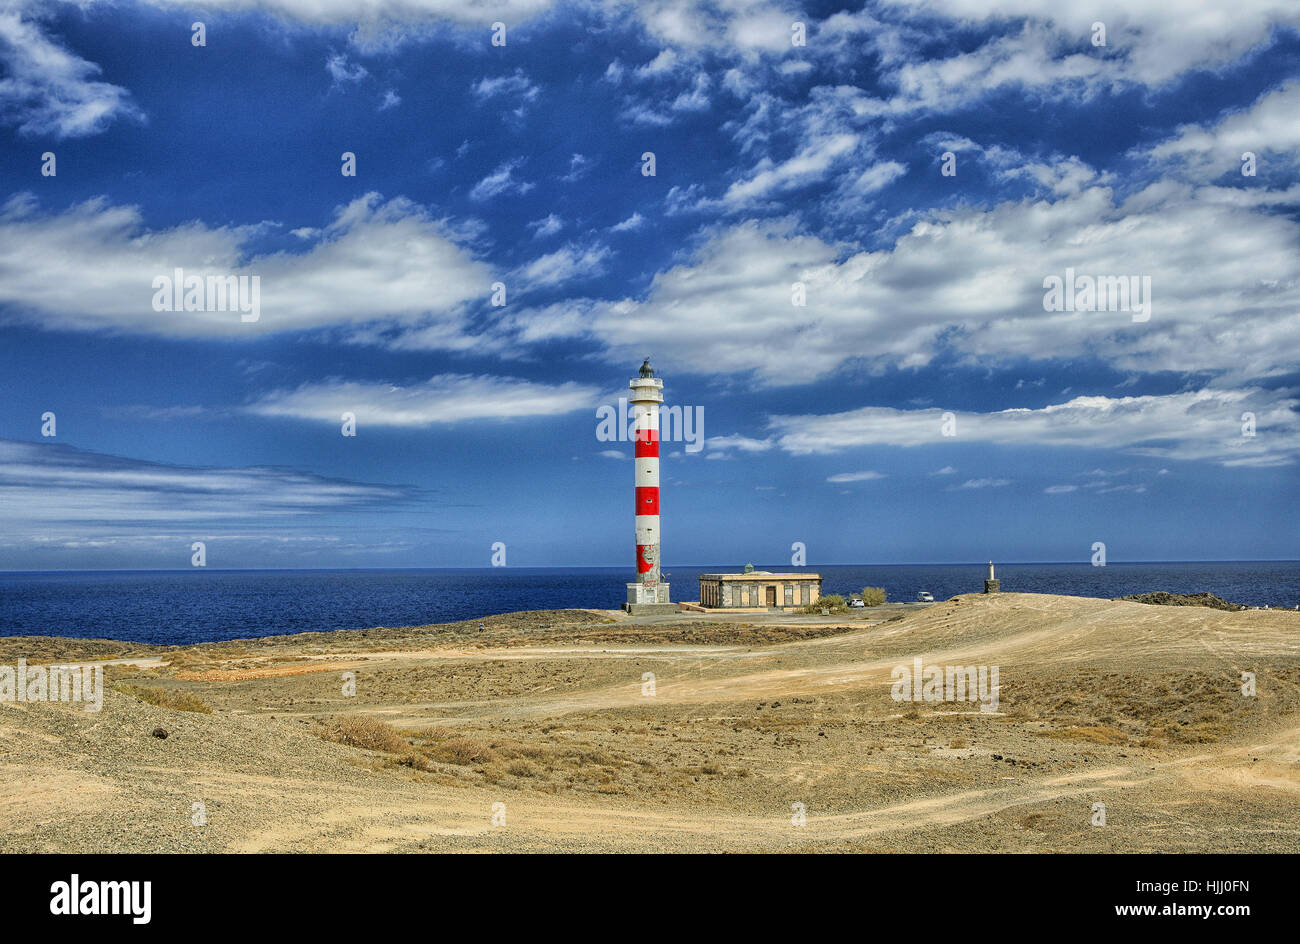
{"x":180,"y":607}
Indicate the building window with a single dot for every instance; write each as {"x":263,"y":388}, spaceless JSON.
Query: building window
{"x":804,"y":596}
{"x":789,"y":594}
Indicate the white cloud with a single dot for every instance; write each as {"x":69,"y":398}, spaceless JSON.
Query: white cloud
{"x":44,"y":484}
{"x":969,"y":281}
{"x":344,"y":72}
{"x":443,"y":399}
{"x":743,"y":27}
{"x":696,"y":98}
{"x":1050,"y":50}
{"x":1200,"y":425}
{"x":1267,"y":129}
{"x":92,"y":266}
{"x":526,"y":326}
{"x":866,"y":476}
{"x":737,"y":441}
{"x":45,"y":89}
{"x":515,"y":85}
{"x":48,"y":89}
{"x":878,"y":176}
{"x":379,"y":18}
{"x":565,"y":264}
{"x":502,"y":180}
{"x":578,"y":168}
{"x":640,"y":113}
{"x":809,"y":165}
{"x":547,"y":226}
{"x":635,"y":221}
{"x":980,"y":483}
{"x":662,"y":64}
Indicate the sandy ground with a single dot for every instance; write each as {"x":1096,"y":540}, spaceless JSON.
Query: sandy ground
{"x":590,"y":731}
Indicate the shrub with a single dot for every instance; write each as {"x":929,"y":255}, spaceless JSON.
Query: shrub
{"x":462,"y":751}
{"x":369,"y":734}
{"x":833,"y":602}
{"x":521,"y":768}
{"x":176,"y":701}
{"x":1164,"y":598}
{"x":873,"y":596}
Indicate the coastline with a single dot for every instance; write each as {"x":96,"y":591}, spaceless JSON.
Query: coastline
{"x":181,"y":607}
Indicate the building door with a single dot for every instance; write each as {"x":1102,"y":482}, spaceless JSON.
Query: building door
{"x":771,"y":596}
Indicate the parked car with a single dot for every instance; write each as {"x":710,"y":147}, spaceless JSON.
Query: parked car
{"x":856,"y":601}
{"x":924,"y":596}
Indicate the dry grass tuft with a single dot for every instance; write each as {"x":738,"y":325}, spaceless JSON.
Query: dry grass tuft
{"x":463,"y":751}
{"x":369,"y":734}
{"x":1092,"y":733}
{"x":1150,"y":710}
{"x":165,"y":698}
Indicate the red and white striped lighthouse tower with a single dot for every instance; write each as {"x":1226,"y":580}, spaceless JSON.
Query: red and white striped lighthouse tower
{"x":649,"y":589}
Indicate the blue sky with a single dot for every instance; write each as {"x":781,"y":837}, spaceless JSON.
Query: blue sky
{"x":522,"y":164}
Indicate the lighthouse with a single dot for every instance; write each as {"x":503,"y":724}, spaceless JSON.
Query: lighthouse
{"x":649,"y":594}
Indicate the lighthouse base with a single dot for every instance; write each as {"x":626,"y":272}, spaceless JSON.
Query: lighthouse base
{"x":647,"y":601}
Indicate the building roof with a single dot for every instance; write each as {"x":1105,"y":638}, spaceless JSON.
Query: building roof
{"x":761,"y":575}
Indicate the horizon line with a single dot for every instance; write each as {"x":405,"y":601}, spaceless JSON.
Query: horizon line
{"x":980,"y":563}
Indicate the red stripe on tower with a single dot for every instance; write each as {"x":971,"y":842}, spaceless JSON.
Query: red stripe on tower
{"x":647,"y":500}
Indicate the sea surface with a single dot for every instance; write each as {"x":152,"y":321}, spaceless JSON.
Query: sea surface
{"x":179,"y":607}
